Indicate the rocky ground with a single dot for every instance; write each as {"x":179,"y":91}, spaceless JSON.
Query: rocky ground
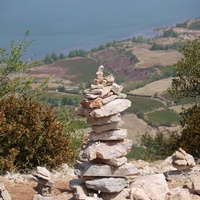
{"x":21,"y":187}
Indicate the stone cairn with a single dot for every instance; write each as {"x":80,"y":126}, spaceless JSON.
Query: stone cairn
{"x":102,"y":167}
{"x":44,"y":186}
{"x":4,"y":195}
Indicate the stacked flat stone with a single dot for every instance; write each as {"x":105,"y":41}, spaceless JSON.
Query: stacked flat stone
{"x":182,"y":161}
{"x":4,"y":195}
{"x":103,"y":166}
{"x":44,"y":186}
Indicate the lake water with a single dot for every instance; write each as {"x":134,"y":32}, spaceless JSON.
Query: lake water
{"x":64,"y":25}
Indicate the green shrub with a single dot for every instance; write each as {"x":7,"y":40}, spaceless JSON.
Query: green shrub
{"x":189,"y":139}
{"x":32,"y":135}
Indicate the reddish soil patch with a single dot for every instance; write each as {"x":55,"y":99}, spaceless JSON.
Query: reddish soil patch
{"x":56,"y":71}
{"x":25,"y":190}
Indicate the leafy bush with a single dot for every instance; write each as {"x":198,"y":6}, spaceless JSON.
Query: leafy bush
{"x":170,"y":33}
{"x":31,"y":135}
{"x":189,"y":139}
{"x":152,"y":148}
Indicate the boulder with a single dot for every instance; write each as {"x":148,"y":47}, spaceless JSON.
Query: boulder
{"x":139,"y":194}
{"x":109,"y":185}
{"x":88,"y":169}
{"x":122,"y":195}
{"x":113,"y":107}
{"x":179,"y":194}
{"x":107,"y":150}
{"x":196,"y":184}
{"x":116,"y":88}
{"x":155,"y":186}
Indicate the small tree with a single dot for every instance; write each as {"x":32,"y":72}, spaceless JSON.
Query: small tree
{"x":187,"y":85}
{"x":31,"y":133}
{"x":54,"y":56}
{"x":14,"y":72}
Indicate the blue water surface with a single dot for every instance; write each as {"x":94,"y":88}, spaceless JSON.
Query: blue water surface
{"x":64,"y":25}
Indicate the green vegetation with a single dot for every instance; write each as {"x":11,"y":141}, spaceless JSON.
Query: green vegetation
{"x":49,"y":59}
{"x":77,"y":53}
{"x":58,"y":99}
{"x":140,"y":39}
{"x":186,"y":85}
{"x":152,"y":148}
{"x":170,"y":33}
{"x":32,"y":133}
{"x":164,"y":118}
{"x":142,"y":104}
{"x":83,"y":68}
{"x":182,"y":25}
{"x":195,"y":26}
{"x":151,"y":76}
{"x":175,"y":46}
{"x":132,"y":56}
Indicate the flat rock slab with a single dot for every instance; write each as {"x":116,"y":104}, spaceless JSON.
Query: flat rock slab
{"x":104,"y":120}
{"x":101,"y":170}
{"x":109,"y":185}
{"x":118,"y":134}
{"x":113,"y":107}
{"x":113,"y":162}
{"x":106,"y":127}
{"x":107,"y":150}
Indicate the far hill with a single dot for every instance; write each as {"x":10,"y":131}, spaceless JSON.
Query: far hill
{"x":143,"y":66}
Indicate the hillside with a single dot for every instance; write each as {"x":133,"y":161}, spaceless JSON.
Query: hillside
{"x":142,"y":66}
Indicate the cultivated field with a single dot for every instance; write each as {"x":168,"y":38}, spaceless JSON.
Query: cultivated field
{"x":154,"y":87}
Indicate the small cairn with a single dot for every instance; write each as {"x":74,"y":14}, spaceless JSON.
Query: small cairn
{"x":44,"y":186}
{"x":102,"y":166}
{"x":4,"y":195}
{"x":182,"y":161}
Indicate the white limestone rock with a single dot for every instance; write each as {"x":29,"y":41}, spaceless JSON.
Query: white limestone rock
{"x":109,"y":185}
{"x":182,"y":160}
{"x":107,"y":127}
{"x":3,"y":192}
{"x":107,"y":150}
{"x":43,"y":173}
{"x":109,"y":99}
{"x":118,"y":134}
{"x":196,"y":184}
{"x":139,"y":194}
{"x":124,"y":194}
{"x":113,"y":107}
{"x":40,"y":197}
{"x":116,"y":88}
{"x":104,"y":120}
{"x":122,"y":96}
{"x":155,"y":186}
{"x":179,"y":193}
{"x":105,"y":91}
{"x":113,"y":162}
{"x":99,"y":86}
{"x":88,"y":169}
